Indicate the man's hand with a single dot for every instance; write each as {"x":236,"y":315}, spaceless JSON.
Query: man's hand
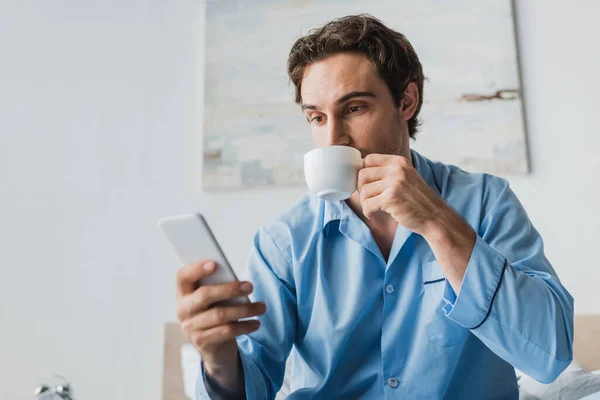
{"x":213,"y":329}
{"x":391,"y":184}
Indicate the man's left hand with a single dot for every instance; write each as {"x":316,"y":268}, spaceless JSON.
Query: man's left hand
{"x":391,"y":184}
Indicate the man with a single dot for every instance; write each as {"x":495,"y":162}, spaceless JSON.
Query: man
{"x":427,"y":283}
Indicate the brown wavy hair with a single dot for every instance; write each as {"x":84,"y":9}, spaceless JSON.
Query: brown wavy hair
{"x":389,"y":52}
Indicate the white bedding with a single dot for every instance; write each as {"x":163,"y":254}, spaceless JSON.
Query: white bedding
{"x":190,"y":366}
{"x":573,"y":384}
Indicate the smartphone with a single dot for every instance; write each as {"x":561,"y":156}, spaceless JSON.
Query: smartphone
{"x":193,"y":241}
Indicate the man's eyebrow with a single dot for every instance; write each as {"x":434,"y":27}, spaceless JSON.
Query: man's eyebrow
{"x":352,"y":95}
{"x":308,"y":107}
{"x":342,"y":99}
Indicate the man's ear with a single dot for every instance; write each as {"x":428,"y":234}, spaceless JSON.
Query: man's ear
{"x":410,"y":101}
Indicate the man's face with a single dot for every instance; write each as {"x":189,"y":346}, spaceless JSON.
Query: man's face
{"x":347,"y":103}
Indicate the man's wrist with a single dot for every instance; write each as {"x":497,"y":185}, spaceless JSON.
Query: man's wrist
{"x":226,"y":376}
{"x":452,"y":241}
{"x":440,"y":224}
{"x":450,"y":232}
{"x":224,"y":391}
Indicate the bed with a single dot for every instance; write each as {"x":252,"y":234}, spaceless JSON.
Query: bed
{"x":586,"y":347}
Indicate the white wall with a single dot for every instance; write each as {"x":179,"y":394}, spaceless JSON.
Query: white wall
{"x":100,"y":118}
{"x":561,"y":82}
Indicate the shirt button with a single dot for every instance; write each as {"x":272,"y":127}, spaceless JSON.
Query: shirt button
{"x":393,"y":382}
{"x":389,"y":289}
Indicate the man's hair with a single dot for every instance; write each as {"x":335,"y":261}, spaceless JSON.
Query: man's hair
{"x":389,"y":52}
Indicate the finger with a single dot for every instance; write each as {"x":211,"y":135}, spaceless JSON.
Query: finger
{"x":222,"y":315}
{"x":370,"y":174}
{"x":372,"y":189}
{"x":187,"y":307}
{"x":208,"y":295}
{"x":205,"y":296}
{"x":377,"y":160}
{"x":223,"y":333}
{"x":189,"y":275}
{"x":374,"y":204}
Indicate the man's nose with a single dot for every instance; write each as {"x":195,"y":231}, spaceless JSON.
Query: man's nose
{"x":336,"y":134}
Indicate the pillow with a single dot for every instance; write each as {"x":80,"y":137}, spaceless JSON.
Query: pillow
{"x":190,"y":366}
{"x":574,"y":383}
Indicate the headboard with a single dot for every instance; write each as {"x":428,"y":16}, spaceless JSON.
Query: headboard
{"x":586,"y":346}
{"x":172,"y":373}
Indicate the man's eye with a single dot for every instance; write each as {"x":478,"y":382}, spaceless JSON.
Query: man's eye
{"x":354,"y":109}
{"x":316,"y":119}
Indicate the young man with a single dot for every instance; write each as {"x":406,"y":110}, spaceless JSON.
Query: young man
{"x":427,"y":283}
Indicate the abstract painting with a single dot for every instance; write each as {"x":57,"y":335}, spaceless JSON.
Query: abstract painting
{"x":255,"y":135}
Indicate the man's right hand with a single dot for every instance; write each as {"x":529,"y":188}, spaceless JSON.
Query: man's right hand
{"x":212,"y":329}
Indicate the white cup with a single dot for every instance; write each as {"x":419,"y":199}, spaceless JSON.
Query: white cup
{"x":331,"y":172}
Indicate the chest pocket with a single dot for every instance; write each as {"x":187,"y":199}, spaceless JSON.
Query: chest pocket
{"x":441,"y":330}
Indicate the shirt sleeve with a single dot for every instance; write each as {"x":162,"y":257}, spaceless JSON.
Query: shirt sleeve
{"x":511,"y":297}
{"x":210,"y":389}
{"x":263,"y":353}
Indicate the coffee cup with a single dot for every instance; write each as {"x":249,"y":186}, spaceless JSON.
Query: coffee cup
{"x":332,"y":172}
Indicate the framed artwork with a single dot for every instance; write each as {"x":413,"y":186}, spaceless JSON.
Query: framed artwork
{"x":255,"y":135}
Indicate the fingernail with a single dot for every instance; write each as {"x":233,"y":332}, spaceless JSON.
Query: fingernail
{"x":246,"y":287}
{"x":209,"y":266}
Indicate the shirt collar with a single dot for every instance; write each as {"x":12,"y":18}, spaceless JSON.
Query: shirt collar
{"x":334,"y":211}
{"x":332,"y":214}
{"x":425,"y":168}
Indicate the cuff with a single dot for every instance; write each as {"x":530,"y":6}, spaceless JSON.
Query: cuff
{"x":478,"y":289}
{"x":215,"y":391}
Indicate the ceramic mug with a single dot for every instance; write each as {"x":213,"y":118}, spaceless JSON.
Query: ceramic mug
{"x":332,"y":172}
